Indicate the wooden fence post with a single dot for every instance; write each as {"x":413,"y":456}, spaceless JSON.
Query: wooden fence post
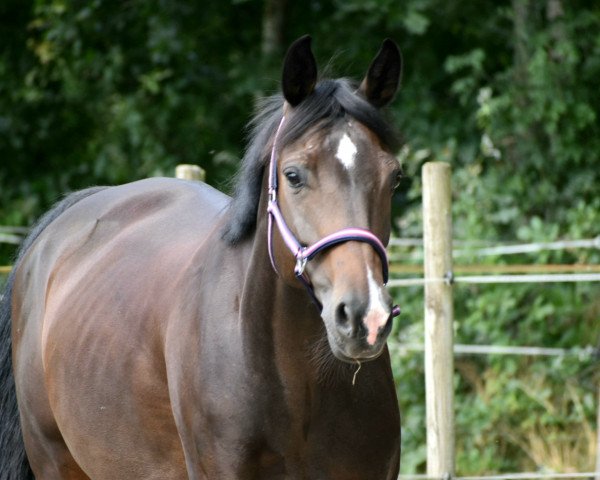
{"x":439,"y":357}
{"x":190,"y":172}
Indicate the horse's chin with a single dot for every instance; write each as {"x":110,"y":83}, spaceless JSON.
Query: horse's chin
{"x":349,"y":354}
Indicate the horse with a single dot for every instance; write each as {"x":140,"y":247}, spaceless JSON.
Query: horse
{"x":163,"y":330}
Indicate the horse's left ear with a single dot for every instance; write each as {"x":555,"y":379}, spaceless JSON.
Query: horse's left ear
{"x":299,"y":71}
{"x":383,"y":78}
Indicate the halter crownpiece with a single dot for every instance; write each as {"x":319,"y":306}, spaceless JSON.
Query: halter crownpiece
{"x":304,"y":254}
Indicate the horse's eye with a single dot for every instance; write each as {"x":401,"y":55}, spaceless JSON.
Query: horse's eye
{"x":293,"y":178}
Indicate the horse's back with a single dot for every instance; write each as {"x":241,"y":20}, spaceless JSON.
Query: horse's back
{"x":141,"y":233}
{"x":91,"y":302}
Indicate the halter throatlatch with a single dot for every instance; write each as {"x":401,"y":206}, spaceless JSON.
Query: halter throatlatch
{"x":304,"y":254}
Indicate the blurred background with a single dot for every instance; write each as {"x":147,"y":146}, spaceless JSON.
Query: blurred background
{"x":105,"y":92}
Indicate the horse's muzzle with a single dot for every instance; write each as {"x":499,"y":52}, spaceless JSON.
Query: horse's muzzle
{"x":358,"y":330}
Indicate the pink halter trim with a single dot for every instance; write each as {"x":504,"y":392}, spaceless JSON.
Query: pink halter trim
{"x":304,"y":254}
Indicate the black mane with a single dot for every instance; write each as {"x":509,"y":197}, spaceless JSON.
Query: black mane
{"x":330,"y":101}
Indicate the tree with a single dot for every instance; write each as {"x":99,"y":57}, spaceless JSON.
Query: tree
{"x":104,"y":92}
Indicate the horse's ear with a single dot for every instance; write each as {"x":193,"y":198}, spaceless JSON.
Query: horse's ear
{"x":383,"y":78}
{"x":299,"y":71}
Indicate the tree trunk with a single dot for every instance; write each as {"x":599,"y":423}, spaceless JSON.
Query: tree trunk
{"x":272,"y":28}
{"x":555,"y":16}
{"x":521,"y":40}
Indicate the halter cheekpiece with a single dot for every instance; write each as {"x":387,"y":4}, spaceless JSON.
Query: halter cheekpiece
{"x":304,"y":254}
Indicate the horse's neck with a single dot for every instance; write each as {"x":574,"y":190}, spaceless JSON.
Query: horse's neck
{"x":278,"y":312}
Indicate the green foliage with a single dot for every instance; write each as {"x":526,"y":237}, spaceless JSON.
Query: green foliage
{"x":104,"y":92}
{"x":521,"y":134}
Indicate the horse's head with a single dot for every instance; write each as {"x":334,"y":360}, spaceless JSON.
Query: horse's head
{"x":338,"y":172}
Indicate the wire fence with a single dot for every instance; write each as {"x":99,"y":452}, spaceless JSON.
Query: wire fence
{"x":12,"y":235}
{"x":437,"y":250}
{"x":399,"y":268}
{"x":470,"y":247}
{"x":583,"y":353}
{"x":465,"y":248}
{"x":496,"y":274}
{"x":481,"y":279}
{"x":509,"y":476}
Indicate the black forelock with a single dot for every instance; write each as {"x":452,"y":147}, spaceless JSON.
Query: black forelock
{"x":330,"y":101}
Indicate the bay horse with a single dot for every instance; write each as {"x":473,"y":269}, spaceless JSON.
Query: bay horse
{"x":163,"y":330}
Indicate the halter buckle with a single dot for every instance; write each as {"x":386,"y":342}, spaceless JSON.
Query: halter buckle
{"x":301,"y":262}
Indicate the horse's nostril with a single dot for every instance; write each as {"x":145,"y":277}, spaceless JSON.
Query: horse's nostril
{"x":342,"y":316}
{"x":348,"y":317}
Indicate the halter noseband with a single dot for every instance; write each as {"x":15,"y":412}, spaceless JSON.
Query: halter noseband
{"x":304,"y":254}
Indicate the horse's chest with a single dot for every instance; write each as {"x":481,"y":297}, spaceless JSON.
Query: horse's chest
{"x":335,"y":437}
{"x":332,"y":437}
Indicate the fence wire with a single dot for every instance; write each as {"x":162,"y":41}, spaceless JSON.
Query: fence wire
{"x":481,"y":279}
{"x":583,"y":353}
{"x":472,"y":248}
{"x":507,"y":476}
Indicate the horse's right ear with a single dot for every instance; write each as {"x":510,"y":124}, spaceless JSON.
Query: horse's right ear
{"x":299,"y":71}
{"x":383,"y":78}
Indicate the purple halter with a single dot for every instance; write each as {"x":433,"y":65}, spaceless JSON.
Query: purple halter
{"x":304,"y":254}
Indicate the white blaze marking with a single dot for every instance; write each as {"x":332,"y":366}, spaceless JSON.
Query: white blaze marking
{"x":346,"y":152}
{"x":377,"y":314}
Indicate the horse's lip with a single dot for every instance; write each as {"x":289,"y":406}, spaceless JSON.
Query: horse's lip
{"x":337,"y":352}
